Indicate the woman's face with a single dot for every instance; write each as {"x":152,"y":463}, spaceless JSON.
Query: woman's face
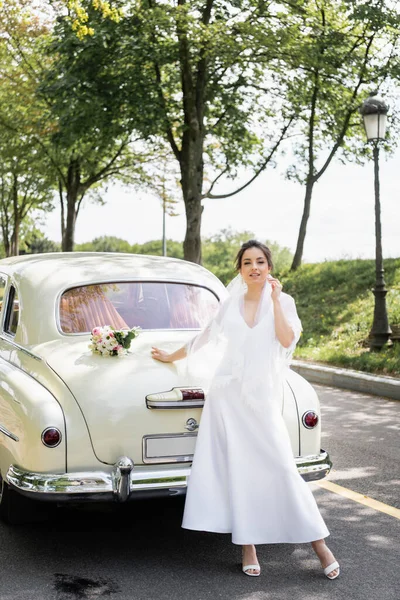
{"x":254,"y":268}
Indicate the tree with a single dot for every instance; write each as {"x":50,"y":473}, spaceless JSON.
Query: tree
{"x":92,"y":139}
{"x":22,"y":189}
{"x":201,"y":66}
{"x":75,"y":127}
{"x":340,"y":50}
{"x":25,"y":183}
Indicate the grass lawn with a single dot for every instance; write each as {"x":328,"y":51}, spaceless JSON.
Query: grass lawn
{"x":335,"y":303}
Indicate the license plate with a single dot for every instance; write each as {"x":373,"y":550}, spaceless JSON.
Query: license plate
{"x":169,"y":448}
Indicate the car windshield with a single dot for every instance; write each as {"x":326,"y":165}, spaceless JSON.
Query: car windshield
{"x":150,"y":305}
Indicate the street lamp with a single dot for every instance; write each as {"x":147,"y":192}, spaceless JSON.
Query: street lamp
{"x":374,"y":112}
{"x":164,"y":214}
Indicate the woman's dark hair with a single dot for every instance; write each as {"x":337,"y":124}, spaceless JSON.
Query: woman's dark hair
{"x":253,"y":244}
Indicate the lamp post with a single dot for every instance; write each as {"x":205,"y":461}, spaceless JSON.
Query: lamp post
{"x":164,"y":214}
{"x":374,"y":113}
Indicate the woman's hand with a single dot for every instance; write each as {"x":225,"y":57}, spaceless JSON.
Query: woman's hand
{"x":160,"y":355}
{"x":276,"y":287}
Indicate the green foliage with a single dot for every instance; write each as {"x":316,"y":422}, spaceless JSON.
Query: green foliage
{"x":35,"y":242}
{"x":95,"y":86}
{"x":154,"y":247}
{"x":114,"y":244}
{"x":105,"y":243}
{"x":335,"y":304}
{"x":125,"y":338}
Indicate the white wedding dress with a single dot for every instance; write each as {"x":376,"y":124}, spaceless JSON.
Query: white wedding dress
{"x":244,"y":480}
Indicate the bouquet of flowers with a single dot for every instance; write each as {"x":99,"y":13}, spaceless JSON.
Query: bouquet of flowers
{"x":108,"y":341}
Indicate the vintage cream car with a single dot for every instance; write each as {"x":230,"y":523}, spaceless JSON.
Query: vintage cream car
{"x":78,"y":427}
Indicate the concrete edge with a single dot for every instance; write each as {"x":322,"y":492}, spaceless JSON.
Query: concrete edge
{"x":387,"y":387}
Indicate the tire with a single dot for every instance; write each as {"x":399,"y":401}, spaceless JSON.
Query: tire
{"x":16,"y":509}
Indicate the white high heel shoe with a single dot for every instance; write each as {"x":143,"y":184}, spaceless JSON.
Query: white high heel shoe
{"x":248,"y":568}
{"x":334,"y":566}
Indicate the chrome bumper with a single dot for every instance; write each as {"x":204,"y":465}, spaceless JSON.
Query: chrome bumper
{"x":126,"y":481}
{"x":315,"y":467}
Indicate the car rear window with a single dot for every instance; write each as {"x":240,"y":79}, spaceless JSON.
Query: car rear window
{"x":150,"y":305}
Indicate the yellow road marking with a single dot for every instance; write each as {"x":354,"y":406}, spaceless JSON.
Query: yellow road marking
{"x":366,"y":500}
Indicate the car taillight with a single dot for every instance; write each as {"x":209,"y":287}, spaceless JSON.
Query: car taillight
{"x":51,"y":437}
{"x":310,"y":419}
{"x":179,"y":394}
{"x":178,"y":397}
{"x":194,"y":394}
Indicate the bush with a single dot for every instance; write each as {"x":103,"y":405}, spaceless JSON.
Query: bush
{"x":336,"y":306}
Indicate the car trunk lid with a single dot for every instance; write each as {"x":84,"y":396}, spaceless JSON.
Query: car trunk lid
{"x":111,"y":392}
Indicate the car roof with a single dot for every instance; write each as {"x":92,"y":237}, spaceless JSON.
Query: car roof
{"x":99,"y":262}
{"x":77,"y":268}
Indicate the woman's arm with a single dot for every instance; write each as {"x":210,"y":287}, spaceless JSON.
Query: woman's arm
{"x":163,"y":356}
{"x":283,"y":330}
{"x":199,"y":340}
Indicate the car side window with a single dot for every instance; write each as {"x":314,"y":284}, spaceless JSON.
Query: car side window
{"x":12,"y":314}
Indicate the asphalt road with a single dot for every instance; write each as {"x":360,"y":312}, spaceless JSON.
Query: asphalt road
{"x":140,"y":552}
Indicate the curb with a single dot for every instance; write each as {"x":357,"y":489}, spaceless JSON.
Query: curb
{"x":387,"y":387}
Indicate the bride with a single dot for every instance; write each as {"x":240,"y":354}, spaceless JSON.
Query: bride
{"x":244,"y":480}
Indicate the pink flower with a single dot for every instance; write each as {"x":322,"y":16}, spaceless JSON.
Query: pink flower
{"x":96,"y":331}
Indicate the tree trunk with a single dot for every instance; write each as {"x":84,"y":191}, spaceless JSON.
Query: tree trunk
{"x":73,"y":189}
{"x":192,"y":181}
{"x":303,"y":225}
{"x":5,"y":230}
{"x":14,"y":246}
{"x":6,"y":244}
{"x":60,"y":193}
{"x":190,"y":156}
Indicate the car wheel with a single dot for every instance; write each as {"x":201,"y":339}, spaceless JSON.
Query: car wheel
{"x":16,"y":509}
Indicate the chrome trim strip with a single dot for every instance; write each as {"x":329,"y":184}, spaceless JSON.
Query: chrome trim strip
{"x":8,"y":433}
{"x":165,"y":459}
{"x":9,"y":340}
{"x":166,"y":404}
{"x":6,"y":278}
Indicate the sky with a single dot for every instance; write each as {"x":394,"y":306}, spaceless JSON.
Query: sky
{"x":341,"y":223}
